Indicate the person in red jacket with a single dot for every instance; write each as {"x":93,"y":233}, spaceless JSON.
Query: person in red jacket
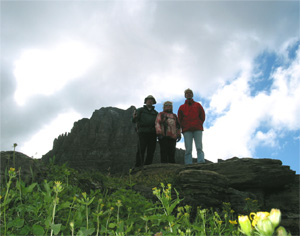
{"x":191,"y":117}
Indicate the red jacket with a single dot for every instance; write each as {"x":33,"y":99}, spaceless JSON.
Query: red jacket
{"x":191,"y":116}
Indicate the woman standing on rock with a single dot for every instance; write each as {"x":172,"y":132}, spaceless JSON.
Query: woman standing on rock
{"x":168,"y":132}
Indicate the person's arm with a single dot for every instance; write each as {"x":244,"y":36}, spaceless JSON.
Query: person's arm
{"x":158,"y":124}
{"x":136,"y":115}
{"x":180,"y":115}
{"x":201,"y":113}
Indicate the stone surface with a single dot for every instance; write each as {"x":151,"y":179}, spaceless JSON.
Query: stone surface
{"x":106,"y":142}
{"x":199,"y":185}
{"x":257,"y":173}
{"x":267,"y":181}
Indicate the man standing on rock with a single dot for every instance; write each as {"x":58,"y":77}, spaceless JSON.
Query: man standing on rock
{"x":145,"y":118}
{"x":191,"y":117}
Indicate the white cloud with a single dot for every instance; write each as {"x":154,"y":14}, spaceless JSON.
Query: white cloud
{"x":236,"y":130}
{"x":141,"y":48}
{"x":45,"y":71}
{"x":42,"y":141}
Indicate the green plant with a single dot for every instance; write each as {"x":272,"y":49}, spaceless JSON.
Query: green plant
{"x":12,"y":174}
{"x":262,"y":223}
{"x":57,"y":189}
{"x":251,"y":205}
{"x":51,"y":208}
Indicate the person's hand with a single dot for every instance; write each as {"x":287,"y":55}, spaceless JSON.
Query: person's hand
{"x":178,"y":138}
{"x":134,"y":114}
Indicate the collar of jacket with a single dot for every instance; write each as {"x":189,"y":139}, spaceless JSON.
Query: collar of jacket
{"x":152,"y":108}
{"x":189,"y":102}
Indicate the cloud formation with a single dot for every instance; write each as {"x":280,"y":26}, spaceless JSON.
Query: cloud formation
{"x":72,"y":57}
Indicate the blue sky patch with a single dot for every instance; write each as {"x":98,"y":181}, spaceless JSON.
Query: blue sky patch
{"x":284,"y":151}
{"x":265,"y":63}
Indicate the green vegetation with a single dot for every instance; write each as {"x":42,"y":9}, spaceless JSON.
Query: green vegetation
{"x":68,"y":202}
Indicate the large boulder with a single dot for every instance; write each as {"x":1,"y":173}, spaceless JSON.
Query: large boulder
{"x":248,"y":173}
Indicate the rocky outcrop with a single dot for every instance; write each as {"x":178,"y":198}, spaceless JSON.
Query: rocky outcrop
{"x":30,"y":169}
{"x":265,"y":181}
{"x":106,"y":142}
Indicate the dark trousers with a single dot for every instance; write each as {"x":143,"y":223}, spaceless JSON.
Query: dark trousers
{"x":146,"y":141}
{"x":167,"y":150}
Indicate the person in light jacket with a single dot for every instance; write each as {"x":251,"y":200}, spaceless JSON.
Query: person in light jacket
{"x":168,"y":132}
{"x":191,"y":117}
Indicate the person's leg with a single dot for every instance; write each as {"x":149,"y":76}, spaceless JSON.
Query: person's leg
{"x":140,"y":150}
{"x":163,"y":150}
{"x":151,"y":144}
{"x":188,"y":142}
{"x":199,"y":146}
{"x":171,"y":150}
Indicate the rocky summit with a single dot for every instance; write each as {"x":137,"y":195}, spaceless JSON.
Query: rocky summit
{"x":106,"y":142}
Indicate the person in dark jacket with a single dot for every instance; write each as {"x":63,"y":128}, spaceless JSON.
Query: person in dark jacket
{"x":145,"y":118}
{"x":191,"y":117}
{"x":168,"y":132}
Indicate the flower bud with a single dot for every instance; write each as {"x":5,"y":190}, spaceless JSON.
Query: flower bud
{"x":274,"y":217}
{"x":281,"y":231}
{"x":245,"y":225}
{"x":265,"y":227}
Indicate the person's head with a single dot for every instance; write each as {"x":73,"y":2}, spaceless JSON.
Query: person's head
{"x":168,"y":106}
{"x":150,"y":100}
{"x":188,"y":93}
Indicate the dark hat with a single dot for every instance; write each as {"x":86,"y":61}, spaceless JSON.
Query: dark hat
{"x":150,"y":97}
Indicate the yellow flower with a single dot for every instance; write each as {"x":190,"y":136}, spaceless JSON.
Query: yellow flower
{"x":245,"y":225}
{"x":57,"y":187}
{"x":233,"y":222}
{"x":274,"y":217}
{"x":186,"y":214}
{"x":119,"y":203}
{"x":12,"y":169}
{"x":72,"y":224}
{"x":258,"y":216}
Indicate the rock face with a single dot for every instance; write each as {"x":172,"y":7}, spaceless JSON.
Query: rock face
{"x":106,"y":142}
{"x":266,"y":181}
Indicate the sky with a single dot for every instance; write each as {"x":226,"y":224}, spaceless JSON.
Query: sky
{"x":61,"y":60}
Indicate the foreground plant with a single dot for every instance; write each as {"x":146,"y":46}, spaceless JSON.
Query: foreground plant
{"x":168,"y":205}
{"x":263,"y":223}
{"x":12,"y":174}
{"x":57,"y":189}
